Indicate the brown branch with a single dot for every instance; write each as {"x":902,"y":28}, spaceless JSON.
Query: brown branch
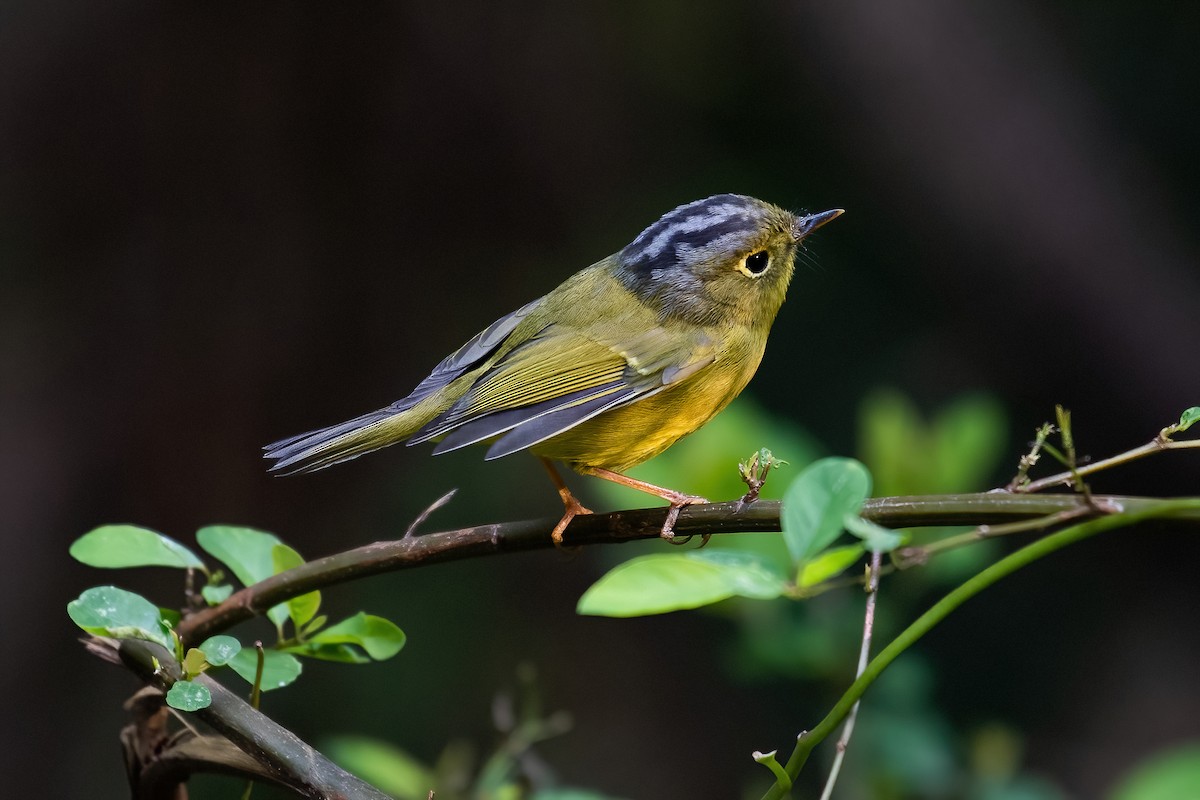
{"x":288,"y":761}
{"x":620,"y":526}
{"x":284,"y":758}
{"x":161,"y":777}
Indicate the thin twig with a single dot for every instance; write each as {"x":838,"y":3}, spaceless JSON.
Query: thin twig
{"x":1030,"y":459}
{"x":906,"y":557}
{"x":864,"y":655}
{"x":424,"y":515}
{"x":1148,"y":449}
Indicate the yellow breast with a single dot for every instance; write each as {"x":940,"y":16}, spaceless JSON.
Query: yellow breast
{"x":619,"y":439}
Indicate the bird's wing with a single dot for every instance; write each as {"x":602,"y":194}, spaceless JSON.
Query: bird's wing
{"x":561,"y":378}
{"x":467,"y":357}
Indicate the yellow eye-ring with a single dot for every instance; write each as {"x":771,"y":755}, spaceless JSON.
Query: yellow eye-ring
{"x":756,"y":264}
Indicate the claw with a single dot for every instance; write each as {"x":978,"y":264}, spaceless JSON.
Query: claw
{"x":678,"y":500}
{"x":572,"y":508}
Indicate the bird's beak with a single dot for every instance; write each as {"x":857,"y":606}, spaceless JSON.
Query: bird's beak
{"x":807,"y":224}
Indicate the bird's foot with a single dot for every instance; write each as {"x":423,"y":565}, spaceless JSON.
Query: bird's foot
{"x":678,"y":500}
{"x":572,"y":508}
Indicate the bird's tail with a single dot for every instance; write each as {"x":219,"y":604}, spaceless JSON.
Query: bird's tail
{"x":322,"y":448}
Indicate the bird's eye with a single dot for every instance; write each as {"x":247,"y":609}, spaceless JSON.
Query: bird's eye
{"x":756,"y":263}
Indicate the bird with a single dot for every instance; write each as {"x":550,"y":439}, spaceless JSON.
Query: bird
{"x":610,"y":368}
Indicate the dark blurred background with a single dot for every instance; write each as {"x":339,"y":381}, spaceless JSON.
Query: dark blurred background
{"x":221,"y":225}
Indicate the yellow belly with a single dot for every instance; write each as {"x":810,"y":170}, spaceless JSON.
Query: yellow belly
{"x":619,"y":439}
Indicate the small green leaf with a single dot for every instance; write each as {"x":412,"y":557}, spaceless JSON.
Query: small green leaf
{"x":391,"y":769}
{"x":1188,"y":418}
{"x":215,"y":595}
{"x":378,"y":636}
{"x":279,"y":669}
{"x":194,"y":662}
{"x":188,"y":696}
{"x":655,"y":584}
{"x":875,"y":538}
{"x":249,"y":555}
{"x":219,"y":649}
{"x":302,"y":608}
{"x":315,"y":624}
{"x":170,"y":616}
{"x":113,"y":612}
{"x":1166,"y":775}
{"x":662,"y":582}
{"x":818,"y":501}
{"x":340,"y":653}
{"x":116,"y":546}
{"x":828,"y":564}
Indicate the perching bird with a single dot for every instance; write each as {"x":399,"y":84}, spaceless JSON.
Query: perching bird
{"x":610,"y":368}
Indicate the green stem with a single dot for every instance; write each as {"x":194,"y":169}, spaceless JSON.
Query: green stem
{"x":940,"y":610}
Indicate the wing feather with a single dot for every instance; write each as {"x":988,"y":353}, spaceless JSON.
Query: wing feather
{"x":467,"y":357}
{"x":557,"y":380}
{"x":496,"y":423}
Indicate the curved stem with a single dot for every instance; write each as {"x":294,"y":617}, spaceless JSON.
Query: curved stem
{"x":965,"y":591}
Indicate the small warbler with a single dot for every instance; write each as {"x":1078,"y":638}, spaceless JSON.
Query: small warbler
{"x":610,"y":368}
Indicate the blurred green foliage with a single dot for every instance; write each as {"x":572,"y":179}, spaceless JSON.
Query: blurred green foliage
{"x":904,"y":747}
{"x":1170,"y":775}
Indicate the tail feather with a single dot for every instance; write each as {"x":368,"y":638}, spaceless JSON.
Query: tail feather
{"x":309,"y":452}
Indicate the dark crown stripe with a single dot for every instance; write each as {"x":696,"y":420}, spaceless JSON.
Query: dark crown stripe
{"x":693,"y":225}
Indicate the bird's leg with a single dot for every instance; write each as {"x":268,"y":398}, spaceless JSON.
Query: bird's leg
{"x":677,"y":499}
{"x":572,"y":507}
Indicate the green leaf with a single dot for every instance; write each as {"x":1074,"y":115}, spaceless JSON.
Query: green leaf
{"x":188,"y":696}
{"x":381,"y":764}
{"x":194,"y":662}
{"x":249,"y":555}
{"x":215,"y":595}
{"x":662,"y":582}
{"x":302,"y":608}
{"x":1164,"y":776}
{"x":1188,"y":418}
{"x":828,"y":564}
{"x":748,"y":574}
{"x":116,"y":546}
{"x":817,"y":502}
{"x":219,"y":649}
{"x":875,"y":538}
{"x":315,"y":624}
{"x":116,"y":613}
{"x":340,"y":653}
{"x":376,"y":635}
{"x":279,"y":669}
